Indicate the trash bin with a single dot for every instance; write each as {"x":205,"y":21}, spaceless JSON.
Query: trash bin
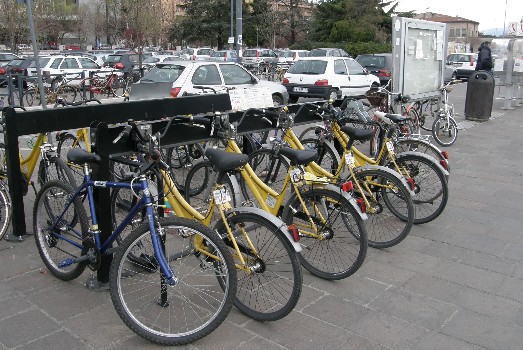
{"x":480,"y":96}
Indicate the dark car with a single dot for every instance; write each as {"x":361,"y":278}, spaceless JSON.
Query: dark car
{"x":18,"y":67}
{"x":379,"y":64}
{"x":129,"y":63}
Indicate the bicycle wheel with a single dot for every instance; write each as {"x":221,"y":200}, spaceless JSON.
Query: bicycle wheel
{"x":60,"y":229}
{"x":181,"y":159}
{"x":198,"y":188}
{"x":271,"y":286}
{"x":445,"y":130}
{"x":340,"y":247}
{"x":67,"y":92}
{"x":430,"y":186}
{"x":32,"y":97}
{"x":391,"y":213}
{"x":68,"y":141}
{"x":374,"y":142}
{"x":119,"y":87}
{"x":328,"y":157}
{"x":270,"y":168}
{"x":425,"y":110}
{"x":54,"y":168}
{"x":187,"y":311}
{"x":421,"y":146}
{"x":5,"y":210}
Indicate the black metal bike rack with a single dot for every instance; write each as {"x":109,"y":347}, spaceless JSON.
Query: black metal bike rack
{"x":18,"y":123}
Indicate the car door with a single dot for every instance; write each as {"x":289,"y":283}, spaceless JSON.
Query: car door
{"x":70,"y":66}
{"x":340,"y":79}
{"x":208,"y":77}
{"x":359,"y":82}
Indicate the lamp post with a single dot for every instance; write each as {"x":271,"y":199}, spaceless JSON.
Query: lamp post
{"x":239,"y":24}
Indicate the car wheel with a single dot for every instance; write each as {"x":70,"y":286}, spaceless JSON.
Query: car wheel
{"x":277,"y":100}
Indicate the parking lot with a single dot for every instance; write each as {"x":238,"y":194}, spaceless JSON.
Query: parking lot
{"x":454,"y":283}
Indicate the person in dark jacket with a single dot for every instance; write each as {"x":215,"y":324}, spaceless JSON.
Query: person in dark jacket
{"x":484,"y":57}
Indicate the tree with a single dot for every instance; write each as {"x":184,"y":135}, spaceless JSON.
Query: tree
{"x":206,"y":22}
{"x":291,"y":19}
{"x":13,"y":27}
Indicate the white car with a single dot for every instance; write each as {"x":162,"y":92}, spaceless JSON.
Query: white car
{"x":153,"y":60}
{"x":323,"y":77}
{"x":198,"y":54}
{"x":180,"y":78}
{"x":54,"y":67}
{"x":465,"y":63}
{"x":290,"y":56}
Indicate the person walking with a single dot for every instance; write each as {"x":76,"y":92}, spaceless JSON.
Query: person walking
{"x":484,"y":61}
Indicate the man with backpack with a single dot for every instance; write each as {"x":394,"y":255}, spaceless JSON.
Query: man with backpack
{"x":484,"y":61}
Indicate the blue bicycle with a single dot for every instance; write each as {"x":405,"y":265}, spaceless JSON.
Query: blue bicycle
{"x":172,"y":281}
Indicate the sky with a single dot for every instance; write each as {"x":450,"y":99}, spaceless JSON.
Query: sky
{"x":489,"y":13}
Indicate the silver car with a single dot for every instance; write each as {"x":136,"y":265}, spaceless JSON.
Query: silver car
{"x":182,"y":78}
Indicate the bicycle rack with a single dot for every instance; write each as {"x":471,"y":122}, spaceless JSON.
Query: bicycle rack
{"x":20,"y":123}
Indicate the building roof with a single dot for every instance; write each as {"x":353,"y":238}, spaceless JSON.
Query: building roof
{"x":437,"y":17}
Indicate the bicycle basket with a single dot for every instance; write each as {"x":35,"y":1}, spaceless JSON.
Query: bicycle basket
{"x":375,"y":97}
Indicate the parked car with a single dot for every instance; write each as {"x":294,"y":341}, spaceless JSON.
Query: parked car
{"x":450,"y":73}
{"x":55,"y":66}
{"x":465,"y":63}
{"x":7,"y":56}
{"x":153,"y":60}
{"x":183,"y":77}
{"x":256,"y":56}
{"x":197,"y":54}
{"x":379,"y":64}
{"x":224,"y":56}
{"x":128,"y":63}
{"x":324,"y":76}
{"x":328,"y":51}
{"x":289,"y":56}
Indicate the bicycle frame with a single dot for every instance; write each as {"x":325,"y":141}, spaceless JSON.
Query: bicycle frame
{"x":145,"y":201}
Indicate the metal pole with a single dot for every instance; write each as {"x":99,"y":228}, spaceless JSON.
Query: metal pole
{"x":239,"y":37}
{"x":43,"y":98}
{"x":232,"y":19}
{"x":505,"y":20}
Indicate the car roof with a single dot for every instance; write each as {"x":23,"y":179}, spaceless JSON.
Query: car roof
{"x":323,"y":58}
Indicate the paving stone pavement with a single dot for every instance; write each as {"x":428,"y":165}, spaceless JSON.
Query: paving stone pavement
{"x":454,"y":283}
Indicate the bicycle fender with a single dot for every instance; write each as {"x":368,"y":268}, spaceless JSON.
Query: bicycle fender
{"x":390,"y":172}
{"x":348,"y":197}
{"x":274,"y":219}
{"x":426,"y":156}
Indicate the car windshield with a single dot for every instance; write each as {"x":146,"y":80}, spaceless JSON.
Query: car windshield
{"x":151,"y":59}
{"x":249,"y":53}
{"x":308,"y":67}
{"x":371,"y":61}
{"x":163,"y":73}
{"x":204,"y":52}
{"x":318,"y":53}
{"x":114,"y":58}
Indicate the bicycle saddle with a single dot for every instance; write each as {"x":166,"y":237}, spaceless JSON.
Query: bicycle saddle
{"x":81,"y":156}
{"x":223,"y":161}
{"x":298,"y":156}
{"x":357,"y":134}
{"x":397,"y":118}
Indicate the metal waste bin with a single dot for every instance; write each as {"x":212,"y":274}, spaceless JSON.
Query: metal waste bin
{"x":480,"y":96}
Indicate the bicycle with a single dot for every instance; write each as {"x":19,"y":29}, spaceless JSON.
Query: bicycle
{"x":31,"y":95}
{"x":444,"y":127}
{"x":112,"y":85}
{"x":325,"y":221}
{"x":269,"y":274}
{"x":172,"y":281}
{"x":380,"y":193}
{"x":423,"y":174}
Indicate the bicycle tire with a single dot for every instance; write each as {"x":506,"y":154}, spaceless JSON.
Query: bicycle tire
{"x":5,"y":210}
{"x":426,"y":109}
{"x":197,"y":185}
{"x":374,"y":142}
{"x":339,"y":245}
{"x":180,"y":160}
{"x":55,"y":169}
{"x":50,"y":202}
{"x":272,"y":289}
{"x":328,"y":156}
{"x":422,"y":146}
{"x":31,"y":97}
{"x":387,"y":194}
{"x":430,"y":185}
{"x":68,"y":93}
{"x":310,"y":132}
{"x":67,"y":142}
{"x":445,"y":134}
{"x":195,"y":306}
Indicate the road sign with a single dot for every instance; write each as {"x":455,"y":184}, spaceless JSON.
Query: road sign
{"x":240,"y":40}
{"x":231,"y":40}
